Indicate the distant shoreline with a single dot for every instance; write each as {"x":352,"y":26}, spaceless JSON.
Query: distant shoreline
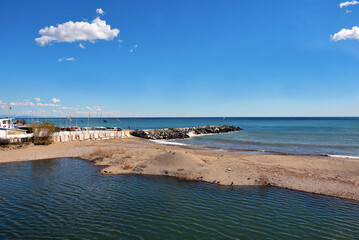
{"x":251,"y":151}
{"x":337,"y":177}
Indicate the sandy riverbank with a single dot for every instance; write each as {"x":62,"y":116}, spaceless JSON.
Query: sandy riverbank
{"x":321,"y":175}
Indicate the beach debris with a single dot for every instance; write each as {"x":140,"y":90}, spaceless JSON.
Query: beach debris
{"x":228,"y":169}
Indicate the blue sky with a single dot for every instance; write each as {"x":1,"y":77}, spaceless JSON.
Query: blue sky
{"x":180,"y":58}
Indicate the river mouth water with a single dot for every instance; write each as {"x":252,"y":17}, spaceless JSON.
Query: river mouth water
{"x":69,"y":199}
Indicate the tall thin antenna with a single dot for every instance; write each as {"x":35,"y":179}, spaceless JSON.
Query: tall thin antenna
{"x":60,"y":119}
{"x":9,"y":106}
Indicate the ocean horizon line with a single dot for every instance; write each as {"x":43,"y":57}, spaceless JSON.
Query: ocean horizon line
{"x":169,"y":117}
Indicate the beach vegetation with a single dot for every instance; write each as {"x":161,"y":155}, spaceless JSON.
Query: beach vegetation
{"x":43,"y":132}
{"x":4,"y":142}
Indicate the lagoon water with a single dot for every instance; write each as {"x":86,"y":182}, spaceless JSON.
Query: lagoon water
{"x":70,"y":199}
{"x":332,"y":136}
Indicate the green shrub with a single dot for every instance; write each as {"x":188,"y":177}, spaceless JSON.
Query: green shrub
{"x":43,"y":132}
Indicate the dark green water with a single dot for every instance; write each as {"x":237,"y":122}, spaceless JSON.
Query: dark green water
{"x":69,"y":199}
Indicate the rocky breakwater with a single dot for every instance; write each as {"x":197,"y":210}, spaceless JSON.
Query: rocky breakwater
{"x":181,"y":133}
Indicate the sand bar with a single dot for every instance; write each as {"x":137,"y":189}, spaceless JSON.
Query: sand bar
{"x":322,"y":175}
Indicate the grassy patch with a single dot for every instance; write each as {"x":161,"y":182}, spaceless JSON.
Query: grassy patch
{"x":43,"y":132}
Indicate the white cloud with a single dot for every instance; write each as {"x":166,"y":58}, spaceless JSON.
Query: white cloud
{"x":99,"y":11}
{"x":55,"y":100}
{"x":346,"y":4}
{"x":134,"y":47}
{"x":348,"y":11}
{"x":98,"y":108}
{"x":47,"y":105}
{"x":95,"y":108}
{"x":37,"y":99}
{"x":120,"y":41}
{"x":77,"y":31}
{"x":3,"y":105}
{"x":24,"y":103}
{"x":81,"y":46}
{"x":66,"y":108}
{"x":346,"y":34}
{"x":67,"y":59}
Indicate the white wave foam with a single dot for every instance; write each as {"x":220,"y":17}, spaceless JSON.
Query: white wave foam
{"x":343,"y":156}
{"x":192,"y":134}
{"x":168,"y":142}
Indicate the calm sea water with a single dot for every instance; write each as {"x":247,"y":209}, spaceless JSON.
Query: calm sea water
{"x":70,"y":199}
{"x":333,"y":136}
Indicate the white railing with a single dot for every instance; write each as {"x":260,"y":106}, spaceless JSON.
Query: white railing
{"x":68,"y":136}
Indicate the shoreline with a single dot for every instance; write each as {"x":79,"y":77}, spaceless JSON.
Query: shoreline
{"x":338,"y":177}
{"x":249,"y":150}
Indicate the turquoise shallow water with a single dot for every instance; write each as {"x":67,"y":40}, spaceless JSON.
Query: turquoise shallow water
{"x":333,"y":136}
{"x":69,"y":199}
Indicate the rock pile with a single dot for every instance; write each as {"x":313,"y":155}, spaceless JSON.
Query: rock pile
{"x":181,"y":133}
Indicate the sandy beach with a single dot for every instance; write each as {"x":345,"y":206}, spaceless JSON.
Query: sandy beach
{"x":321,"y":175}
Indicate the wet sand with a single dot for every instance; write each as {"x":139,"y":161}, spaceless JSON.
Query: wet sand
{"x":322,"y":175}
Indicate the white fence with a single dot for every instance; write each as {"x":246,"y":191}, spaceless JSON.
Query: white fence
{"x":66,"y":136}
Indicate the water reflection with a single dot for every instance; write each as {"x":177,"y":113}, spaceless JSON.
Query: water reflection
{"x":68,"y":198}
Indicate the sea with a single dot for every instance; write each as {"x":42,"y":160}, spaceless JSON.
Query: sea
{"x":328,"y":136}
